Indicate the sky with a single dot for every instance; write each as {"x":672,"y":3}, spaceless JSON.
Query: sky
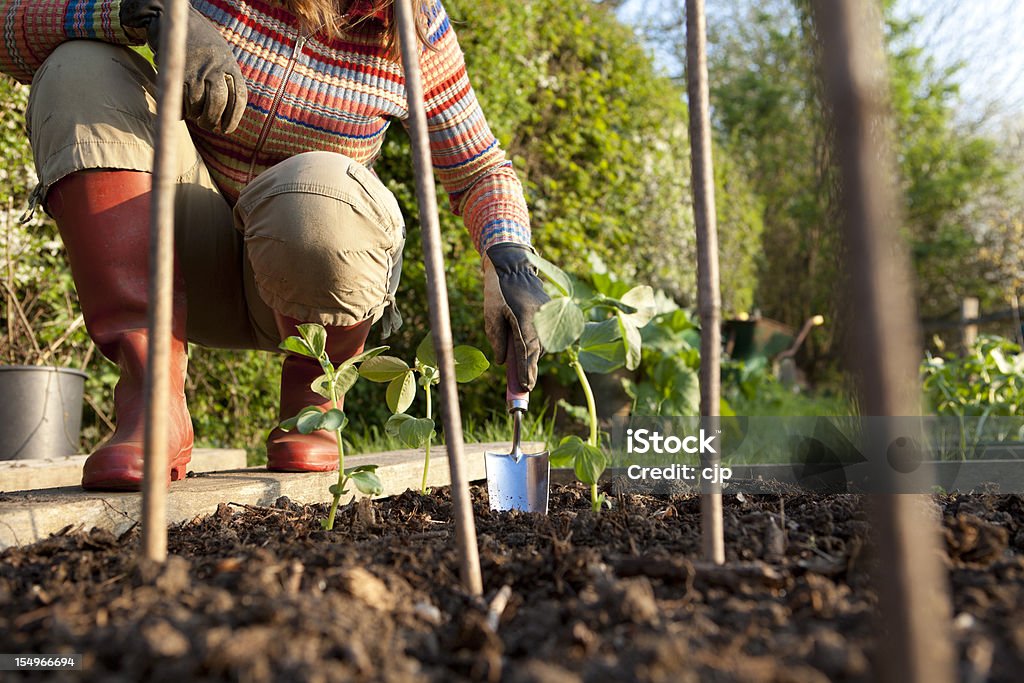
{"x":986,"y":36}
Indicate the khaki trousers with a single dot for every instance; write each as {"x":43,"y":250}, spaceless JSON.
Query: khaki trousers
{"x":317,"y":237}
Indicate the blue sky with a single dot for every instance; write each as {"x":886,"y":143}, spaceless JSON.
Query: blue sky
{"x":987,"y":36}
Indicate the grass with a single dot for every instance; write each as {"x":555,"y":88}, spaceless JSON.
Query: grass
{"x":776,"y":400}
{"x":497,"y":428}
{"x":361,"y":437}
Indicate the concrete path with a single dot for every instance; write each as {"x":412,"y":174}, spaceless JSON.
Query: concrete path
{"x":30,"y":516}
{"x":49,"y":473}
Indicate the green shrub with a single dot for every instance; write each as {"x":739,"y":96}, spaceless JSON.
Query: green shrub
{"x":988,"y":380}
{"x":600,"y":139}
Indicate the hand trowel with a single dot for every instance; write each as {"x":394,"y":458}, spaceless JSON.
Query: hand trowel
{"x":517,"y":480}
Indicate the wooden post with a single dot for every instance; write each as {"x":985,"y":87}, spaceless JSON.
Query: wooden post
{"x":170,"y":86}
{"x":1017,"y":332}
{"x":708,"y":297}
{"x":912,"y":587}
{"x":969,"y":310}
{"x":437,"y":294}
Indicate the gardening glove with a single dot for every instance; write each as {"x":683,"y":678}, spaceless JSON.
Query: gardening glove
{"x":215,"y":92}
{"x":512,"y":294}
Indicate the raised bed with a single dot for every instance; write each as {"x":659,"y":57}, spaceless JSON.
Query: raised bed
{"x":263,"y":594}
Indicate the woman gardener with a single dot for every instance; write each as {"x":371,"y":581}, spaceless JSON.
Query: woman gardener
{"x":279,"y":219}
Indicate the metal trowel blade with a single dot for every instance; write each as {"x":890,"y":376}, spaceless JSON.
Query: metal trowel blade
{"x":518,"y":483}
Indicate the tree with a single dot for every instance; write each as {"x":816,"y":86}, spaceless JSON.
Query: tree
{"x":769,"y":115}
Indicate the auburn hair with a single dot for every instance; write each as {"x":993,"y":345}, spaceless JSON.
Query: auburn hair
{"x":337,"y":18}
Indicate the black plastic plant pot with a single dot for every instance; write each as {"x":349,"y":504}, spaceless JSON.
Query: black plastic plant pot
{"x":40,"y":411}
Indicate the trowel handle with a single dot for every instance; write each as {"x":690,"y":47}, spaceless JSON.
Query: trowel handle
{"x":515,"y":397}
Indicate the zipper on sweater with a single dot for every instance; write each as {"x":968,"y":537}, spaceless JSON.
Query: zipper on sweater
{"x":275,"y":104}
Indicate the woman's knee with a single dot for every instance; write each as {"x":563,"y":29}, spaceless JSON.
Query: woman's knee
{"x":324,"y":238}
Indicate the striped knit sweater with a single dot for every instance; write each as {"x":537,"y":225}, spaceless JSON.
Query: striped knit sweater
{"x":309,"y":92}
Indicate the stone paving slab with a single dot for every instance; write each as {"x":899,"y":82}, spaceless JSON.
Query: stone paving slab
{"x":49,"y":473}
{"x":27,"y":517}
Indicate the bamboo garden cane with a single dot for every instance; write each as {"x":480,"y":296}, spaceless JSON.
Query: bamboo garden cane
{"x":170,"y":86}
{"x":911,"y":581}
{"x":437,"y":294}
{"x":708,"y":297}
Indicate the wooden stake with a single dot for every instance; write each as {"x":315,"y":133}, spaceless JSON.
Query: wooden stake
{"x":969,"y":310}
{"x":170,"y":86}
{"x":437,"y":294}
{"x":1016,"y":318}
{"x":708,"y":298}
{"x":912,"y":587}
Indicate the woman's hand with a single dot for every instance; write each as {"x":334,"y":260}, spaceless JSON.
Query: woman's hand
{"x":215,"y":92}
{"x":512,"y":294}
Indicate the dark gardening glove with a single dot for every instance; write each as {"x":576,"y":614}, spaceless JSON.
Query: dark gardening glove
{"x":215,"y":93}
{"x":512,"y":294}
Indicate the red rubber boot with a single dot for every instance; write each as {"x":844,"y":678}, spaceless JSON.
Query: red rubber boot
{"x":316,"y":452}
{"x":103,"y":218}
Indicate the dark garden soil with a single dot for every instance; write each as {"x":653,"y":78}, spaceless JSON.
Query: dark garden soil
{"x":261,"y":594}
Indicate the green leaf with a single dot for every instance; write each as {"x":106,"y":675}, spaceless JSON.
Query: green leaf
{"x":578,"y":413}
{"x":346,"y":378}
{"x":725,"y":408}
{"x":642,"y":299}
{"x":553,"y":273}
{"x":383,"y":368}
{"x":298,"y":346}
{"x":333,"y":420}
{"x":361,"y":468}
{"x":646,"y":399}
{"x":413,"y":432}
{"x":564,"y":454}
{"x":401,"y":392}
{"x":559,"y":323}
{"x":336,"y":490}
{"x":425,"y":352}
{"x":611,"y":302}
{"x":1000,"y":361}
{"x":417,"y":432}
{"x":598,"y":334}
{"x":308,"y":420}
{"x":470,"y":363}
{"x":394,"y":423}
{"x":366,"y":355}
{"x":679,"y":385}
{"x":368,"y":483}
{"x":289,"y":424}
{"x":601,"y":347}
{"x":590,"y":463}
{"x":315,"y":336}
{"x":604,"y":358}
{"x":322,"y":386}
{"x":632,"y":340}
